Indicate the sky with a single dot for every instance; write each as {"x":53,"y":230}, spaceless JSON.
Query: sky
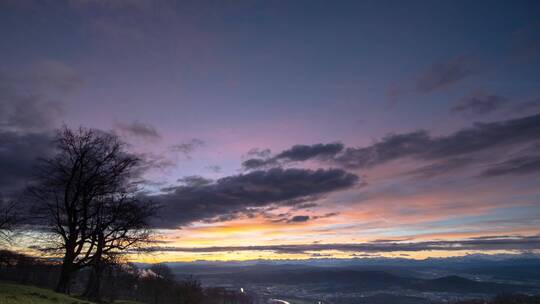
{"x":293,"y":129}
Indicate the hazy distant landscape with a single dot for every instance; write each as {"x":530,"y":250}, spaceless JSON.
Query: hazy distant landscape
{"x":373,"y":281}
{"x":471,"y":280}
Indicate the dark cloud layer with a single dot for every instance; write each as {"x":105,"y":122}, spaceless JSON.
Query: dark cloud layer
{"x":31,"y":100}
{"x":201,"y":199}
{"x":421,"y":145}
{"x":196,"y":201}
{"x":303,"y":152}
{"x":18,"y":155}
{"x":446,"y":153}
{"x":521,"y":243}
{"x":194,"y":181}
{"x":299,"y":219}
{"x":297,"y":153}
{"x":287,"y":218}
{"x":31,"y":105}
{"x":19,"y":152}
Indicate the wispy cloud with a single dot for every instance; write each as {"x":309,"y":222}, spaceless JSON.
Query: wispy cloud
{"x":138,"y":129}
{"x":487,"y":243}
{"x":515,"y":166}
{"x":442,"y":74}
{"x":187,"y":148}
{"x":479,"y":104}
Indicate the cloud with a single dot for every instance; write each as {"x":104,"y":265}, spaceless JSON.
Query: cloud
{"x":320,"y":255}
{"x":138,"y":129}
{"x":18,"y":156}
{"x":152,"y":161}
{"x":391,"y":147}
{"x":305,"y":206}
{"x":297,"y":153}
{"x":242,"y":193}
{"x":521,"y":243}
{"x":256,"y":163}
{"x":214,"y":168}
{"x":303,"y":152}
{"x":29,"y":113}
{"x":443,"y":154}
{"x":55,"y":74}
{"x":303,"y":218}
{"x":479,"y":104}
{"x":299,"y":219}
{"x":31,"y":98}
{"x":443,"y":74}
{"x":527,"y":107}
{"x":442,"y":167}
{"x":187,"y":148}
{"x":421,"y":145}
{"x":19,"y":152}
{"x":515,"y":166}
{"x":194,"y":181}
{"x":262,"y":153}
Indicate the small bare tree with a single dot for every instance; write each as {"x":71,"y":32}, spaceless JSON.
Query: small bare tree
{"x":87,"y":197}
{"x":8,"y":220}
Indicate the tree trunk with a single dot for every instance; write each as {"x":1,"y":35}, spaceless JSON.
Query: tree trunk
{"x":64,"y":281}
{"x":93,"y":286}
{"x":66,"y":272}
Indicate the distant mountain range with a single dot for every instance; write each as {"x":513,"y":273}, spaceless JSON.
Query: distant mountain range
{"x":477,"y":259}
{"x":473,"y":274}
{"x":342,"y":279}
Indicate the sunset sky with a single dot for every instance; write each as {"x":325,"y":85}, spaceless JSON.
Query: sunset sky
{"x":293,"y":129}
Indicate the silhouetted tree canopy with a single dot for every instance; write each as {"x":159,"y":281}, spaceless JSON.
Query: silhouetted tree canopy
{"x":86,"y":196}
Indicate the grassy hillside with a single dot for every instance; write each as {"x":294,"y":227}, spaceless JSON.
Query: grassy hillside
{"x":21,"y":294}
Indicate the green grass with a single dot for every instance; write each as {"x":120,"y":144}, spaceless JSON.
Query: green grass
{"x":22,"y":294}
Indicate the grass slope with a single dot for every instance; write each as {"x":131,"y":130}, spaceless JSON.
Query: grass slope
{"x":21,"y":294}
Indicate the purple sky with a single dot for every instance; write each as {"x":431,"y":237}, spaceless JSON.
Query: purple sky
{"x":196,"y":85}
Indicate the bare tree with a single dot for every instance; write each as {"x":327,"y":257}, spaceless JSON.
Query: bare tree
{"x":87,"y":197}
{"x":8,"y":220}
{"x":122,"y":223}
